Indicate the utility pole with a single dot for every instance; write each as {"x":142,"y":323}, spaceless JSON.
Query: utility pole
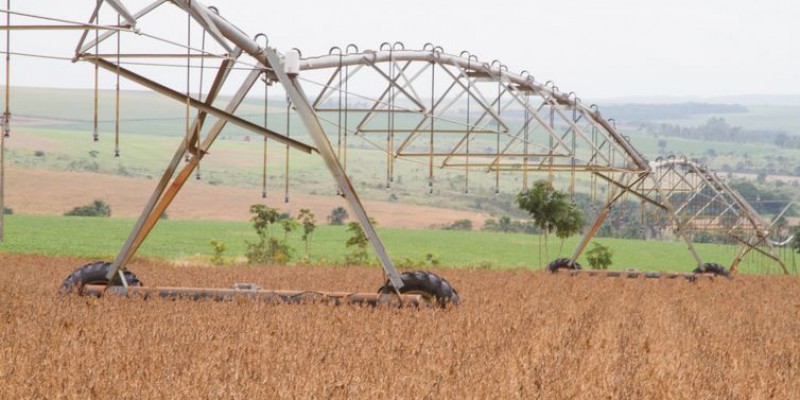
{"x":6,"y":125}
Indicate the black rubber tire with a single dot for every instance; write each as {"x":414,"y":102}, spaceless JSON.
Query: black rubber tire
{"x":94,"y":274}
{"x":712,"y":268}
{"x":431,"y":286}
{"x":563,"y":263}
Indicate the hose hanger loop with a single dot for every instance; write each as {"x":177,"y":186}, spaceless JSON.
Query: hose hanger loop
{"x":260,"y":35}
{"x":572,"y":96}
{"x":500,"y":68}
{"x":529,"y":79}
{"x":351,"y":46}
{"x":595,"y":110}
{"x":266,"y":44}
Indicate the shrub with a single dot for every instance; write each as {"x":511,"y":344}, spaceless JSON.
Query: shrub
{"x":98,"y":208}
{"x":483,"y":264}
{"x":8,"y":211}
{"x":460,"y":225}
{"x":427,"y":261}
{"x":358,"y":240}
{"x":306,"y":217}
{"x":268,"y":249}
{"x":219,"y":248}
{"x":599,"y":256}
{"x":338,"y":215}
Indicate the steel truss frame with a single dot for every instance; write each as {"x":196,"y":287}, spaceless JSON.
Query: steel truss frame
{"x":557,"y":134}
{"x":529,"y":125}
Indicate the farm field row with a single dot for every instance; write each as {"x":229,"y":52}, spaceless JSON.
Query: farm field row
{"x":517,"y":334}
{"x":189,"y":241}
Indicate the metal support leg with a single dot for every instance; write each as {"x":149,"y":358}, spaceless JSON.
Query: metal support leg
{"x":673,"y":214}
{"x":160,"y":199}
{"x":126,"y":250}
{"x":747,"y":247}
{"x":619,"y":191}
{"x":317,"y":133}
{"x":689,"y":245}
{"x":587,"y":237}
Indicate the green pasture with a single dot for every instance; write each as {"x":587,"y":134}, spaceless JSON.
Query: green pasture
{"x":101,"y":238}
{"x":757,"y":117}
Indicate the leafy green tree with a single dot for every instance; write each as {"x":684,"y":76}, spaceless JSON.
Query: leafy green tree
{"x":358,"y":241}
{"x":599,"y":256}
{"x":268,"y":249}
{"x":219,"y":248}
{"x":504,"y":223}
{"x":289,"y":225}
{"x":306,"y":218}
{"x":263,"y":218}
{"x":338,"y":215}
{"x":662,"y":146}
{"x":551,"y":210}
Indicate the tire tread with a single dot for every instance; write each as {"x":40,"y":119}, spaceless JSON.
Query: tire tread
{"x":437,"y":287}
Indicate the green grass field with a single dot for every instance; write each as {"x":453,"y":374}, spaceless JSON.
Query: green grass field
{"x":101,"y":238}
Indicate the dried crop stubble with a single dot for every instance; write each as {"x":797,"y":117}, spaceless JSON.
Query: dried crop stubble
{"x":519,"y":334}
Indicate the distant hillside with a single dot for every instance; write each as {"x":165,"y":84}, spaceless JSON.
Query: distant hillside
{"x":654,"y":112}
{"x":746,"y":100}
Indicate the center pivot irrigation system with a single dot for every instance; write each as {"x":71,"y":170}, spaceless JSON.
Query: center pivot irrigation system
{"x":439,"y":110}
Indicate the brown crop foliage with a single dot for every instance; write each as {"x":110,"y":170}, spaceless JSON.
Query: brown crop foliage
{"x":517,"y":335}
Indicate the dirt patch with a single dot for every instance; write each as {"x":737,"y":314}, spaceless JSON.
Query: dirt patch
{"x":31,"y":191}
{"x":518,"y":334}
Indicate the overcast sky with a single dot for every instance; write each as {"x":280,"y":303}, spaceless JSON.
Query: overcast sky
{"x":599,"y":49}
